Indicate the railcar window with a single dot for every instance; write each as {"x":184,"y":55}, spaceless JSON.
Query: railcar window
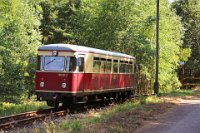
{"x":129,"y":68}
{"x":115,"y":66}
{"x":134,"y":68}
{"x":81,"y":64}
{"x":122,"y":68}
{"x":108,"y":66}
{"x":54,"y":63}
{"x":71,"y":64}
{"x":103,"y":67}
{"x":96,"y":65}
{"x":40,"y":63}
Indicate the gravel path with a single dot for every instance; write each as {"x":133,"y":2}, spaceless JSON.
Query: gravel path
{"x":183,"y":119}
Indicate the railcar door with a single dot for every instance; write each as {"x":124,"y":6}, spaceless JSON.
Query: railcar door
{"x":81,"y":71}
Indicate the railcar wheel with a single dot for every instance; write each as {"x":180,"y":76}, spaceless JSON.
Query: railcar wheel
{"x":56,"y":104}
{"x":52,"y":103}
{"x":67,"y":102}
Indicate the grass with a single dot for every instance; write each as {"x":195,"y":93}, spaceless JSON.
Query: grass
{"x":11,"y":108}
{"x":181,"y":93}
{"x":150,"y":99}
{"x":76,"y":125}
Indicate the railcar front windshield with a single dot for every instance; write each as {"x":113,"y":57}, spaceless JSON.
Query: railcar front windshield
{"x":54,"y":63}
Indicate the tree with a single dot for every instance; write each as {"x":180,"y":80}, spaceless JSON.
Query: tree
{"x":189,"y":12}
{"x":129,"y":27}
{"x":56,"y":25}
{"x":20,"y":38}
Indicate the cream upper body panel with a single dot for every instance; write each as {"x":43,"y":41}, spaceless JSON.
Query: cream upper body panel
{"x":88,"y":53}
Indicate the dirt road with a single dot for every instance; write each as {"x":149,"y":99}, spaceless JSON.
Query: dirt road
{"x":183,"y":119}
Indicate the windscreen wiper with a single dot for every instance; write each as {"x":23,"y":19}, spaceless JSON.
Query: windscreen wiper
{"x":50,"y":62}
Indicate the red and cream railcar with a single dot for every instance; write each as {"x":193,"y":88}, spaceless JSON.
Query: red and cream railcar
{"x":67,"y":73}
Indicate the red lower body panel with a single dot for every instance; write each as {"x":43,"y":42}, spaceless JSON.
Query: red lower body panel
{"x":82,"y":82}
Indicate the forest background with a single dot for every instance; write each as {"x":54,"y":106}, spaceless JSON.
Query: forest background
{"x":126,"y":26}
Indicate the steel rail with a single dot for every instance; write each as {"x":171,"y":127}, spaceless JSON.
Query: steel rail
{"x":29,"y":117}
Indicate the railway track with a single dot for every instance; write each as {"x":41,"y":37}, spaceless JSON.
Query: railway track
{"x":18,"y":120}
{"x":27,"y":118}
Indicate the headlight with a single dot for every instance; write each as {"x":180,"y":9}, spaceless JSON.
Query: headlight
{"x":64,"y":85}
{"x":41,"y":84}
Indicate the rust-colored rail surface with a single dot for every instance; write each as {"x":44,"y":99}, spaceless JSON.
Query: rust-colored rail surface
{"x":29,"y":117}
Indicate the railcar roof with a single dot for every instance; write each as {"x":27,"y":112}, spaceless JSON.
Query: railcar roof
{"x":70,"y":47}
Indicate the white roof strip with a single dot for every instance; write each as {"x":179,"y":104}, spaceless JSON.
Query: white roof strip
{"x":70,"y":47}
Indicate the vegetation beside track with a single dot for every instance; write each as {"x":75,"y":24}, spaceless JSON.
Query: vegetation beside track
{"x":7,"y":109}
{"x":118,"y":117}
{"x":181,"y":93}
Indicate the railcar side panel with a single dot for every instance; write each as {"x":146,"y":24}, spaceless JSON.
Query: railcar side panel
{"x":83,"y":81}
{"x":53,"y":81}
{"x":80,"y":81}
{"x":121,"y":81}
{"x":88,"y":81}
{"x":96,"y":82}
{"x":104,"y":81}
{"x":127,"y":80}
{"x":115,"y":83}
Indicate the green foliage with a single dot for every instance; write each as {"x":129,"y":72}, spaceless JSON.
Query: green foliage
{"x":72,"y":126}
{"x":129,"y":27}
{"x":181,"y":93}
{"x":56,"y":21}
{"x":19,"y":40}
{"x":7,"y":109}
{"x":123,"y":26}
{"x":126,"y":106}
{"x":150,"y":99}
{"x":189,"y":12}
